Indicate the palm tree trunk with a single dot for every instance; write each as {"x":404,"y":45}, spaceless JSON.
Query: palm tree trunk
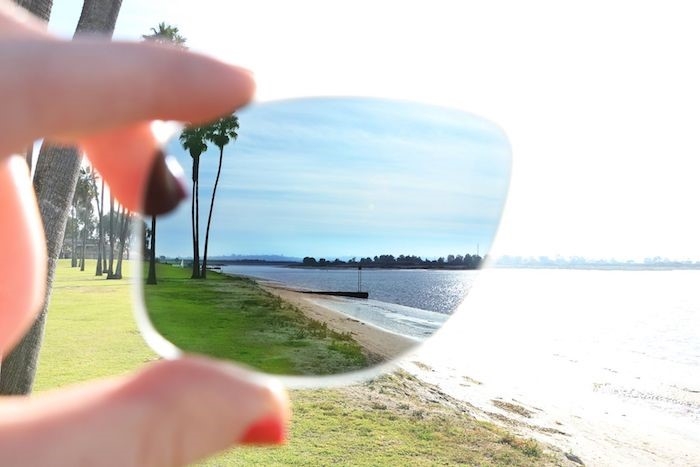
{"x":85,"y":235}
{"x":195,"y":218}
{"x":39,"y":8}
{"x":104,"y":255}
{"x":98,"y":17}
{"x":211,"y":210}
{"x":112,"y":238}
{"x":98,"y":267}
{"x":73,"y":241}
{"x":123,"y":232}
{"x":152,"y":257}
{"x":81,"y":260}
{"x":100,"y":238}
{"x":104,"y":243}
{"x":195,"y":257}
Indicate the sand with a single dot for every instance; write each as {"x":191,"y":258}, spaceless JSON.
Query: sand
{"x":379,"y":345}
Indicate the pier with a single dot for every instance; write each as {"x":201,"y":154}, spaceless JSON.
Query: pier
{"x":339,"y":293}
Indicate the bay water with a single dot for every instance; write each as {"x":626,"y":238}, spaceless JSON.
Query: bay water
{"x":608,"y":361}
{"x":411,"y":302}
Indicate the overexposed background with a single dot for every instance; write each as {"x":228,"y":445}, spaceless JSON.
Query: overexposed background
{"x":600,"y":100}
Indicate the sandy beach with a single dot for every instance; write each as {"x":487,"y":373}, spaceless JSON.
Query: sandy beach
{"x":481,"y":401}
{"x":525,"y":360}
{"x":379,"y":345}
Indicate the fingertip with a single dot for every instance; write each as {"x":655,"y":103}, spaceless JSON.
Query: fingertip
{"x":122,"y":83}
{"x":125,"y":157}
{"x":235,"y":88}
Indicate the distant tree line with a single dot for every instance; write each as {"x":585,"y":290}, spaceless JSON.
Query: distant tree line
{"x":402,"y":261}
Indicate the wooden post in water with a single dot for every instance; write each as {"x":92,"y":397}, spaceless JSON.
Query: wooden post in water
{"x":359,"y":278}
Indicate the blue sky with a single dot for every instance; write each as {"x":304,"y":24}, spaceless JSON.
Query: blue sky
{"x":343,"y":177}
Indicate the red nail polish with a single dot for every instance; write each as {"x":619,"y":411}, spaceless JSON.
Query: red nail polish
{"x":269,"y":430}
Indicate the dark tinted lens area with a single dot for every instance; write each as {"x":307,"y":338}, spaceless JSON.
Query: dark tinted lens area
{"x":324,"y":235}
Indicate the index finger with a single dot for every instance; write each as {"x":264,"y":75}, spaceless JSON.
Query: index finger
{"x":67,"y":90}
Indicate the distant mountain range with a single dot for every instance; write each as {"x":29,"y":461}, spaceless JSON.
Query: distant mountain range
{"x":268,"y":258}
{"x":577,"y":262}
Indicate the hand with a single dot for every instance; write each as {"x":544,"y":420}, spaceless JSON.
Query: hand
{"x":93,"y":93}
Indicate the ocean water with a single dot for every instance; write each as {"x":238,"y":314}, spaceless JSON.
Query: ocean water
{"x":413,"y":303}
{"x":638,"y":325}
{"x":410,"y":322}
{"x":610,"y":358}
{"x":440,"y":291}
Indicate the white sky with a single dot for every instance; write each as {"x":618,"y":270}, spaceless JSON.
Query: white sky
{"x":600,"y":100}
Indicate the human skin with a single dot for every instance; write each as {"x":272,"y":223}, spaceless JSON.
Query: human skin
{"x":94,"y":93}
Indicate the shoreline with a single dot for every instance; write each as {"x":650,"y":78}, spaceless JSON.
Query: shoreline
{"x":398,"y":408}
{"x":380,"y":345}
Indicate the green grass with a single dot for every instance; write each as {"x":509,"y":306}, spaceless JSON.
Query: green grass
{"x":393,"y":420}
{"x":90,"y":329}
{"x":233,"y":318}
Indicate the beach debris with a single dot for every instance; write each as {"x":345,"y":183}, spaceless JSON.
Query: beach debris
{"x":513,"y":408}
{"x":574,"y":458}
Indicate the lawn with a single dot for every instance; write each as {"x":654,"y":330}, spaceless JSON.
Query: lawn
{"x":233,"y":318}
{"x":393,"y":420}
{"x":90,"y":329}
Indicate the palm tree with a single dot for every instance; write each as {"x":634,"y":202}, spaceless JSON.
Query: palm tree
{"x":72,"y":227}
{"x":124,"y":224}
{"x":193,"y":139}
{"x":112,"y":237}
{"x":221,"y":132}
{"x":99,"y":201}
{"x":163,"y":34}
{"x":79,"y":220}
{"x":83,"y":195}
{"x":54,"y":182}
{"x":166,"y":34}
{"x":151,"y":278}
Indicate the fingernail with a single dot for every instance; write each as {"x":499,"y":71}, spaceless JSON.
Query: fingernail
{"x":166,"y":186}
{"x":269,"y":430}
